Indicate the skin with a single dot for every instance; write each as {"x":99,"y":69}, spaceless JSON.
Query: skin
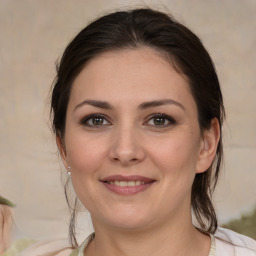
{"x":130,"y":141}
{"x":5,"y":227}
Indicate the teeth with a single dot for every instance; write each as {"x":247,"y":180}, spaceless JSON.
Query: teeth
{"x":131,"y":183}
{"x":122,"y":183}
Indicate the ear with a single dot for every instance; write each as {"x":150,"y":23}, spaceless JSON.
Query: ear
{"x":208,"y":146}
{"x":62,"y":149}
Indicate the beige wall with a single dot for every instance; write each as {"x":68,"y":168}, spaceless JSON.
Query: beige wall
{"x":33,"y":33}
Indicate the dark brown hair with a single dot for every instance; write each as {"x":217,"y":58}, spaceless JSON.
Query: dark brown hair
{"x":147,"y":27}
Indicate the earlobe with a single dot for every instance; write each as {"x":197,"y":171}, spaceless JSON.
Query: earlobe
{"x":208,"y":147}
{"x":62,"y":150}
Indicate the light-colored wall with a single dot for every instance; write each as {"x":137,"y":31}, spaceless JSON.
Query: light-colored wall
{"x":33,"y":35}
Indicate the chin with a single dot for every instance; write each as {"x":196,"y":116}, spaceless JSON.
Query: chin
{"x":129,"y":224}
{"x":127,"y":219}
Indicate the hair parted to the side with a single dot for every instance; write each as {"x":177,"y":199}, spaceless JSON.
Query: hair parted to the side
{"x":150,"y":28}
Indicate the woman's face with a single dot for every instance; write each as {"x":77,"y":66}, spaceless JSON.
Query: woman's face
{"x":132,"y":140}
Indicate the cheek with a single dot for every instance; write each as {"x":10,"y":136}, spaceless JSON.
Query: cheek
{"x":85,"y":154}
{"x":175,"y":158}
{"x":175,"y":154}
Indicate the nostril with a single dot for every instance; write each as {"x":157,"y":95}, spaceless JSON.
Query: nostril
{"x":125,"y":161}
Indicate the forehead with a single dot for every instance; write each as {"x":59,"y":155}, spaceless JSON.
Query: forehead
{"x":140,"y":74}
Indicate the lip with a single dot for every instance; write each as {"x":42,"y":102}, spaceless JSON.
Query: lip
{"x":127,"y":190}
{"x":127,"y":178}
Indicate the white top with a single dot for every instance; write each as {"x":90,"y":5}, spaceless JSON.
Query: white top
{"x":230,"y":243}
{"x":223,"y":243}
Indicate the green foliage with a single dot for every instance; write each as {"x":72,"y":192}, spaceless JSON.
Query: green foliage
{"x":6,"y":202}
{"x":246,"y":225}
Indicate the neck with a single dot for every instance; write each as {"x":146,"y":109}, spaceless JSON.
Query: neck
{"x":166,"y":240}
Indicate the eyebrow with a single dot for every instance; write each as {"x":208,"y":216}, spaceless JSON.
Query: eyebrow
{"x":157,"y":103}
{"x":95,"y":103}
{"x":143,"y":106}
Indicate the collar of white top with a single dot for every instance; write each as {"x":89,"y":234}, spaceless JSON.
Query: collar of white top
{"x":212,"y":249}
{"x":90,"y":237}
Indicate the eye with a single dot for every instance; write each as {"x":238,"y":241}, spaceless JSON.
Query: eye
{"x":95,"y":120}
{"x":161,"y":120}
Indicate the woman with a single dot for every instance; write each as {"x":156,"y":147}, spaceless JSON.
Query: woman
{"x":138,"y":112}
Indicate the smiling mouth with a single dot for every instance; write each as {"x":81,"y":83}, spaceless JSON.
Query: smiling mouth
{"x":127,"y":185}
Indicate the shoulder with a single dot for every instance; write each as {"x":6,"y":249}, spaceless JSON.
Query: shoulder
{"x":48,"y":248}
{"x":231,"y":243}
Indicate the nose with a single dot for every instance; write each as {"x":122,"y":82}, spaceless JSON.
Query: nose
{"x":126,"y":147}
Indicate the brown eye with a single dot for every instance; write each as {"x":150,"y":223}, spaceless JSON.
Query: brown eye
{"x":95,"y":120}
{"x":161,"y":120}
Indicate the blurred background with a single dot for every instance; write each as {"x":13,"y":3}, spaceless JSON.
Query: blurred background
{"x":34,"y":35}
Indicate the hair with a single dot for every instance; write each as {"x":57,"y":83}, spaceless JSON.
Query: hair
{"x":146,"y":27}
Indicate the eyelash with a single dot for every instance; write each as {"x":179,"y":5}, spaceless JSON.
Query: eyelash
{"x":169,"y":119}
{"x":85,"y":120}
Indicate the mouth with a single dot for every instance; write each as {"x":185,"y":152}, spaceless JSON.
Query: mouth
{"x":122,"y":183}
{"x":127,"y":185}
